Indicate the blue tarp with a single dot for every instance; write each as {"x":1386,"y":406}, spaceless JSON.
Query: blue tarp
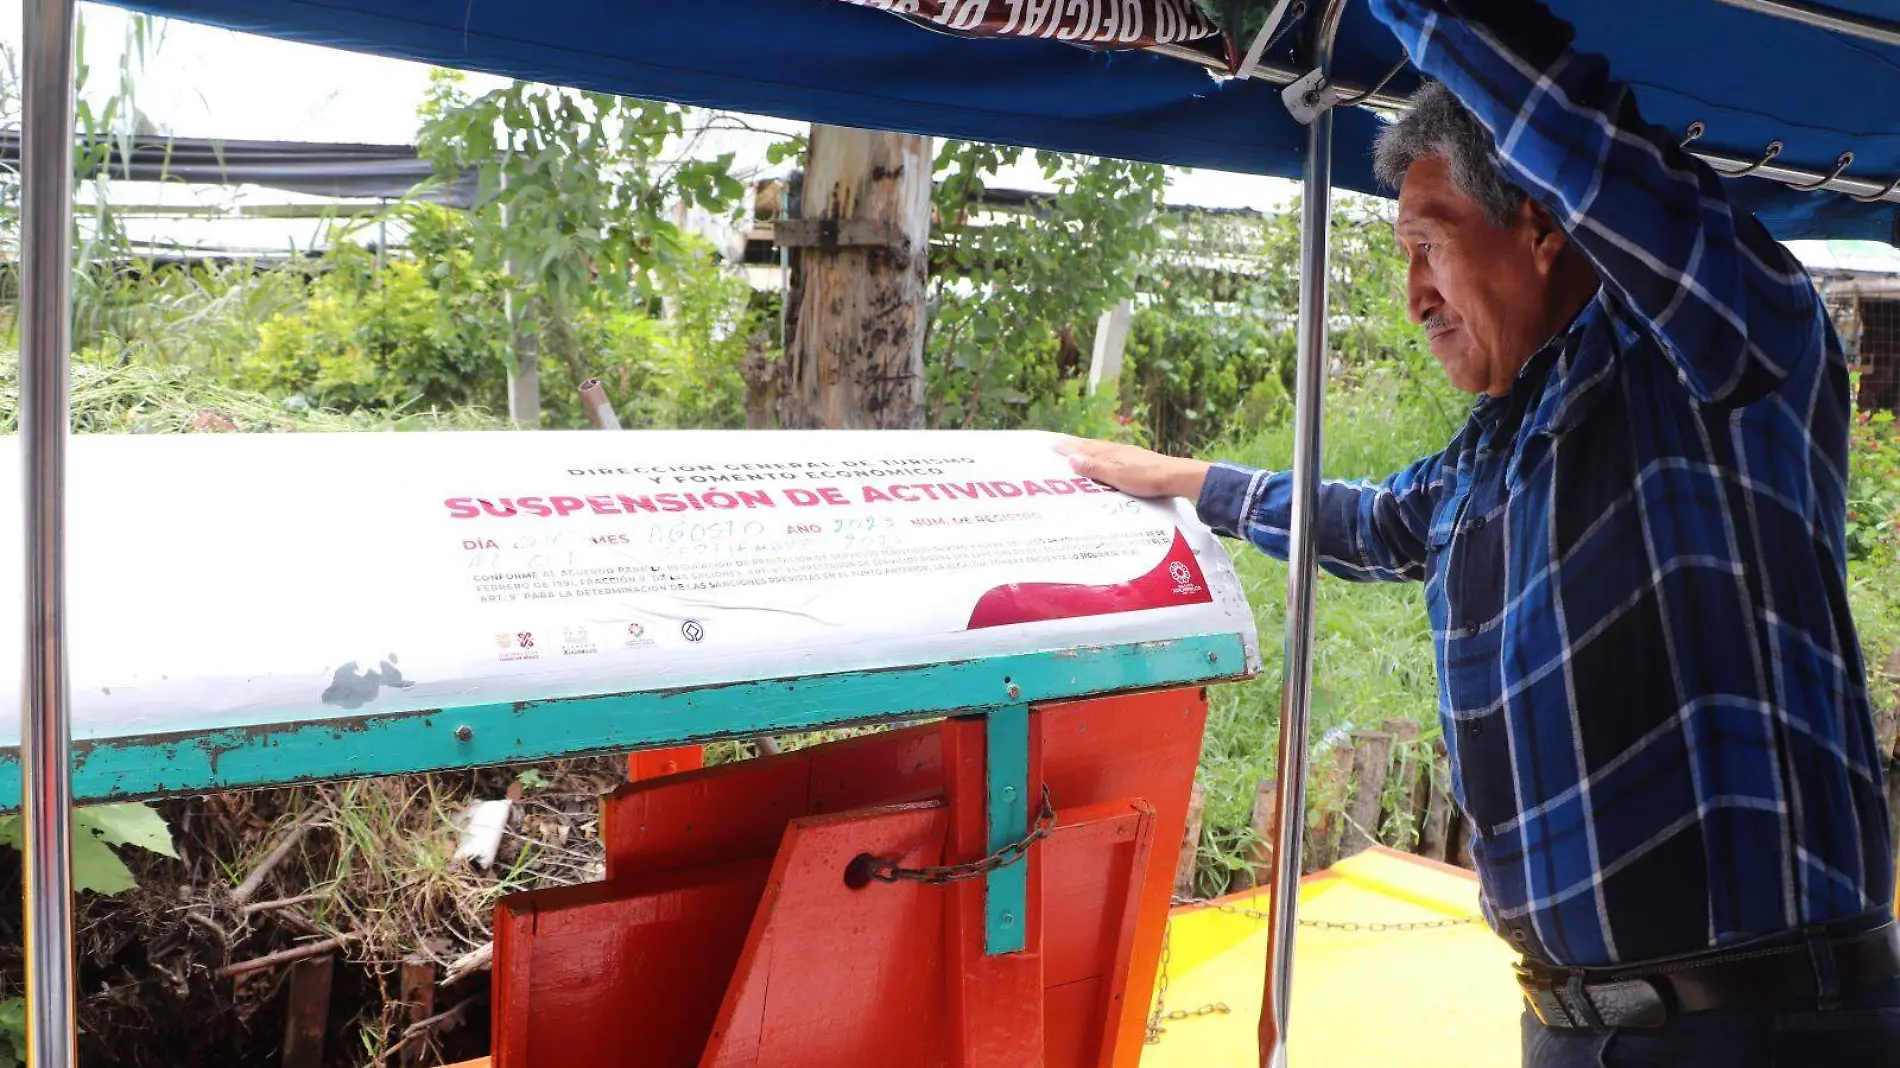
{"x":1752,"y":79}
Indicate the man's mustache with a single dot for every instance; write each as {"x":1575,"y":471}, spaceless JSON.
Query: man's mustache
{"x":1436,"y":322}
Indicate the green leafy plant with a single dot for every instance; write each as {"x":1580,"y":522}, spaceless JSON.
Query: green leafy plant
{"x":575,"y":193}
{"x":388,"y":339}
{"x":13,"y":1031}
{"x":96,"y":868}
{"x":1873,"y":545}
{"x":1873,"y":486}
{"x":1210,"y":352}
{"x":1014,"y":295}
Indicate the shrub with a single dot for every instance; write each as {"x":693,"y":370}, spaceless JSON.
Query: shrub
{"x":388,"y":342}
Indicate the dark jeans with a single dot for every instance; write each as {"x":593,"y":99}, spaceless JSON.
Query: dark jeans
{"x":1863,"y":1033}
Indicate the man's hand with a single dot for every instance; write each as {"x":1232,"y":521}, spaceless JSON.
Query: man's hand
{"x":1136,"y":472}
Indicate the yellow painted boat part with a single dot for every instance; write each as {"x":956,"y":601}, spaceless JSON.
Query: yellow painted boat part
{"x":1433,"y":997}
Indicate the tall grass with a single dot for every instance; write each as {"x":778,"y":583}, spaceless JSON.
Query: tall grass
{"x":1372,"y":648}
{"x":135,"y":399}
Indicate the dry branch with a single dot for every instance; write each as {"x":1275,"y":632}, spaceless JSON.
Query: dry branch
{"x":422,"y":1027}
{"x":281,"y":903}
{"x":475,"y":960}
{"x":286,"y":956}
{"x":276,"y":856}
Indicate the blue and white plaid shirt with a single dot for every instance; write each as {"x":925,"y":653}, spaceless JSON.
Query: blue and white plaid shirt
{"x":1649,"y":680}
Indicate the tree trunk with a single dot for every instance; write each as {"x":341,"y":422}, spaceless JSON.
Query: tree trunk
{"x":854,"y":356}
{"x":524,"y":382}
{"x":524,"y":385}
{"x":761,"y":377}
{"x":558,"y":330}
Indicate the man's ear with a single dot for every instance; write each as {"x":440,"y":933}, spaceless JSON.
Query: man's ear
{"x":1548,"y":240}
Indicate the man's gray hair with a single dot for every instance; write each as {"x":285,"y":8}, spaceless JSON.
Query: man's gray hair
{"x":1438,"y":125}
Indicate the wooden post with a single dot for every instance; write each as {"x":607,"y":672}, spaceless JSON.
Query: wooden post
{"x":854,"y":353}
{"x":1408,"y":798}
{"x":1335,"y":781}
{"x":1887,"y":724}
{"x":309,"y":1015}
{"x":1435,"y":835}
{"x":1893,"y":810}
{"x":1370,"y":770}
{"x":418,"y":998}
{"x":1266,"y":818}
{"x":1188,"y":861}
{"x":1465,"y":833}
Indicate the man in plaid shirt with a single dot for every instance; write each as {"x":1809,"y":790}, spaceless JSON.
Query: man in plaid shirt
{"x":1634,"y":558}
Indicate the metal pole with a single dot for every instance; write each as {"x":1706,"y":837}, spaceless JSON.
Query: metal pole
{"x":599,"y":409}
{"x":1725,"y":161}
{"x":46,"y":797}
{"x":1841,"y":22}
{"x":1303,"y":560}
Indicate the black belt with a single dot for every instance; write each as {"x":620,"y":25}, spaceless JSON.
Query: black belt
{"x":1812,"y":971}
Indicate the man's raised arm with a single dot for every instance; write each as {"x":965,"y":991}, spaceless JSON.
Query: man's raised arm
{"x":1709,"y":282}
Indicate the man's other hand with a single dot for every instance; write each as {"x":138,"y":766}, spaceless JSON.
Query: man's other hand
{"x":1136,"y":472}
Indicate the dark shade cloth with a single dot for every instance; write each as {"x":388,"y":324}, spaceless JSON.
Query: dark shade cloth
{"x":375,"y":172}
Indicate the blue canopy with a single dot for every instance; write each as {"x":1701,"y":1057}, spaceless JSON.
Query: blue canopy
{"x":1750,"y":78}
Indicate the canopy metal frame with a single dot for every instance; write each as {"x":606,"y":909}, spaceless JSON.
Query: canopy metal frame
{"x":1727,"y":162}
{"x":45,"y":336}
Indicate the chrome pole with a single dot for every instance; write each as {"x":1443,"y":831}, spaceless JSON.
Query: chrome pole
{"x":1883,"y":31}
{"x":1303,"y":561}
{"x":46,"y":797}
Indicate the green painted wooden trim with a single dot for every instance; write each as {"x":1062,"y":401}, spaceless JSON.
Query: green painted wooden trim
{"x":492,"y":734}
{"x":1006,"y":771}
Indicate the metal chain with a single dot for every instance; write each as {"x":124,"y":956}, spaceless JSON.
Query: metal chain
{"x":1161,"y":1011}
{"x":1388,"y":928}
{"x":1339,"y":925}
{"x":885,"y":871}
{"x":1161,"y":985}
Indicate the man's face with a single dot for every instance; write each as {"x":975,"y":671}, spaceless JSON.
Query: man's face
{"x":1480,"y":290}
